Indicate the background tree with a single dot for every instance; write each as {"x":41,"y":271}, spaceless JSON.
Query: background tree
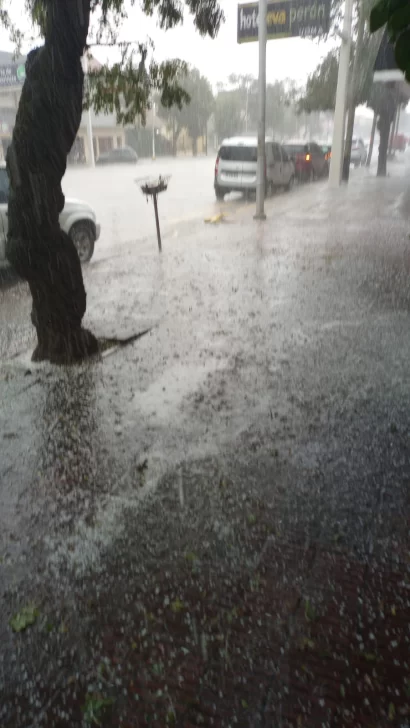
{"x":320,"y":93}
{"x":196,"y":111}
{"x":228,"y":114}
{"x":395,"y":14}
{"x":236,"y":110}
{"x":47,"y":123}
{"x":194,"y":115}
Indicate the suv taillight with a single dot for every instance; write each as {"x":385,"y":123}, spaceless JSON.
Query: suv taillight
{"x":216,"y":166}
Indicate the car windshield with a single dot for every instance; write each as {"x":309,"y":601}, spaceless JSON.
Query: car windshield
{"x":238,"y":153}
{"x":204,"y":364}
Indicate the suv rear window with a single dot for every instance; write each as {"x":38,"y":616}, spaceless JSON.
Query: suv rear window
{"x":296,"y":148}
{"x":238,"y":154}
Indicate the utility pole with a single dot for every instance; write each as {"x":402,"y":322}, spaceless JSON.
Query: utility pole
{"x":153,"y":131}
{"x":353,"y":95}
{"x":260,"y":178}
{"x":336,"y":160}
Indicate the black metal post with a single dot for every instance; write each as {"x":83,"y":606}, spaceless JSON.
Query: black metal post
{"x":157,"y":222}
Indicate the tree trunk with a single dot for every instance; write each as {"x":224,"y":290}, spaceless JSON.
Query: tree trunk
{"x":46,"y":127}
{"x":194,"y":146}
{"x":174,"y":138}
{"x":384,"y":128}
{"x":392,"y":128}
{"x":372,"y":135}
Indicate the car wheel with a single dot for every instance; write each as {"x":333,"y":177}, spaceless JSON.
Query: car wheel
{"x":220,"y":194}
{"x":83,"y":238}
{"x":290,"y":183}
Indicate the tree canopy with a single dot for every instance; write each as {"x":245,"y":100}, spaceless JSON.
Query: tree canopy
{"x":129,"y":86}
{"x":236,"y":107}
{"x":320,"y":93}
{"x":396,"y":15}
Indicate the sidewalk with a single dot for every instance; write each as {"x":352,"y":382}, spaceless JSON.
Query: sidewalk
{"x":213,"y":522}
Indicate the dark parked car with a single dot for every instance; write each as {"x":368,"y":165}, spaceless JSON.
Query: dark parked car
{"x":327,"y":151}
{"x":124,"y":155}
{"x":310,"y":160}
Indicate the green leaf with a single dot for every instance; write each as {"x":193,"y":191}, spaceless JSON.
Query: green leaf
{"x":392,"y":712}
{"x":23,"y":619}
{"x":95,"y":705}
{"x":177,"y":606}
{"x":310,"y":611}
{"x":402,"y":50}
{"x":379,"y":15}
{"x":398,"y":21}
{"x":191,"y":557}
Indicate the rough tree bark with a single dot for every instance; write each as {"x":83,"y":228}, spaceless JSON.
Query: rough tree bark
{"x":47,"y":123}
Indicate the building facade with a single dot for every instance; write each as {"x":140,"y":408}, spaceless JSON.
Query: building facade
{"x":106,"y":133}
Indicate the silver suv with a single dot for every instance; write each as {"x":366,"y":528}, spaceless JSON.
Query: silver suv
{"x":236,"y":165}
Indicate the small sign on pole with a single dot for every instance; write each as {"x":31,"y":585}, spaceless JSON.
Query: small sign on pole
{"x":152,"y":188}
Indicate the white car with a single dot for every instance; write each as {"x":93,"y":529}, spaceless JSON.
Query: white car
{"x":236,"y":166}
{"x":358,"y":154}
{"x":77,"y":219}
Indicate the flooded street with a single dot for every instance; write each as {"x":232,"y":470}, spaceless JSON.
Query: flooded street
{"x":259,"y":429}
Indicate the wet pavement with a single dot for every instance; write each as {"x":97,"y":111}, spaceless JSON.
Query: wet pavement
{"x":210,"y":526}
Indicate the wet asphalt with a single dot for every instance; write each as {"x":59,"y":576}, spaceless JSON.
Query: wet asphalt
{"x":276,"y":362}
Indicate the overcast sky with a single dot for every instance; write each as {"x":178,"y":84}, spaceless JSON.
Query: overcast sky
{"x":286,"y":58}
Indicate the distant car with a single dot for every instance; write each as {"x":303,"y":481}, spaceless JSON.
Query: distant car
{"x":310,"y":160}
{"x":122,"y":155}
{"x":236,"y":166}
{"x":77,"y":219}
{"x":358,"y":154}
{"x":399,"y":143}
